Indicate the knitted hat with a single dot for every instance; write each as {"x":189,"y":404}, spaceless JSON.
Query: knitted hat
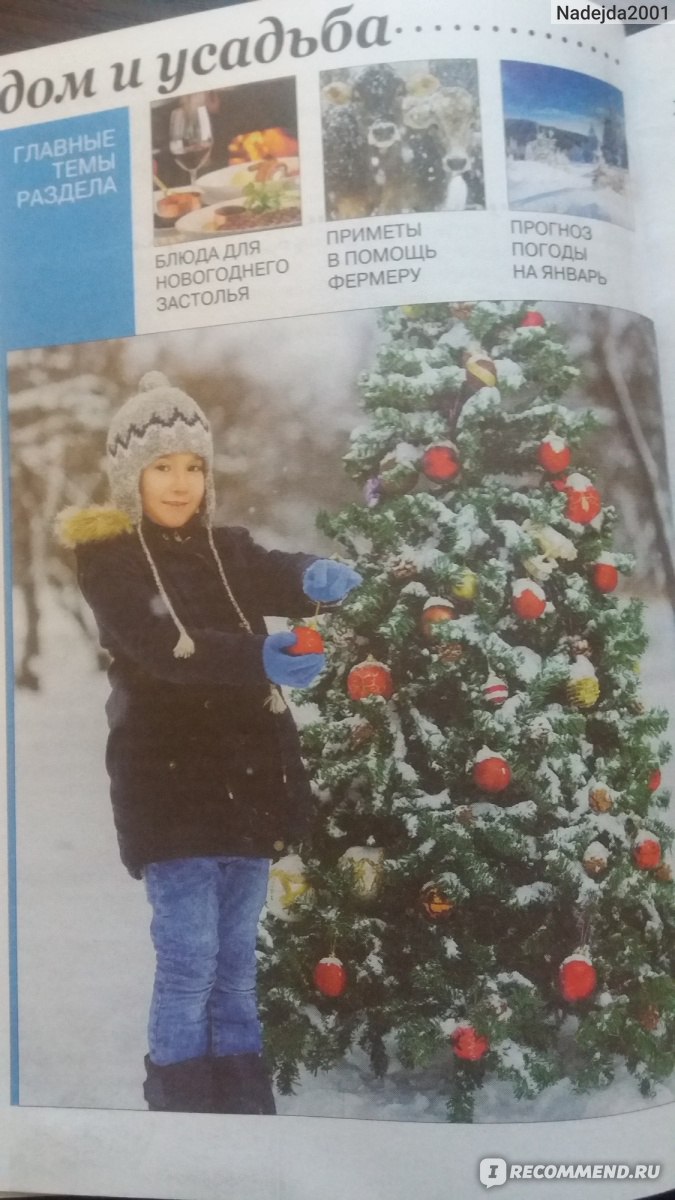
{"x":161,"y":419}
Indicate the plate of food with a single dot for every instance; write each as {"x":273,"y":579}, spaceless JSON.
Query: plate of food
{"x":172,"y":203}
{"x":262,"y":206}
{"x":229,"y":182}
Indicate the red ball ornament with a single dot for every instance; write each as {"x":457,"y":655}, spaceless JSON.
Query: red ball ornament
{"x":370,"y":678}
{"x":577,"y":977}
{"x":554,"y":454}
{"x":308,"y":640}
{"x":584,"y":502}
{"x":491,"y":772}
{"x":605,"y":576}
{"x":654,"y":782}
{"x":532,"y":320}
{"x":647,"y":852}
{"x":437,"y":612}
{"x":330,"y":977}
{"x":440,"y":463}
{"x":468,"y":1044}
{"x":529,"y":600}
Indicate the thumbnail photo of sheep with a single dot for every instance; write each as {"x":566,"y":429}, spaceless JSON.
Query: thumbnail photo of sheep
{"x":402,"y":138}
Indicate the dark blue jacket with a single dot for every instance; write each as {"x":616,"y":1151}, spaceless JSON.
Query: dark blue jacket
{"x":198,"y":765}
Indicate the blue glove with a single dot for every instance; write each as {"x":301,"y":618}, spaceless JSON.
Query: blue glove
{"x":327,"y":581}
{"x":294,"y":670}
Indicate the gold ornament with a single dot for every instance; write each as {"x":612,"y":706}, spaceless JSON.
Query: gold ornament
{"x":664,"y":873}
{"x":583,"y":689}
{"x":600,"y":800}
{"x":287,"y":883}
{"x":480,"y":371}
{"x":466,"y":587}
{"x":583,"y":693}
{"x":366,"y":866}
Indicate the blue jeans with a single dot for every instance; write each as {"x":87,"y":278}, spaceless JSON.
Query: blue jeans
{"x":204,"y":923}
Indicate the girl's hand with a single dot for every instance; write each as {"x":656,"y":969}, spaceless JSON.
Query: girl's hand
{"x":293,"y":670}
{"x":327,"y":581}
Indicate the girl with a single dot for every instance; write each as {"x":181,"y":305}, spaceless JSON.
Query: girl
{"x":203,"y":756}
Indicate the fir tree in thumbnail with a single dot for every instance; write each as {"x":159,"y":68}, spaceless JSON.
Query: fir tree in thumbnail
{"x":488,"y":869}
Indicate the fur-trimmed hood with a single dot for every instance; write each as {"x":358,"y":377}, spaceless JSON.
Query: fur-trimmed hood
{"x":99,"y":523}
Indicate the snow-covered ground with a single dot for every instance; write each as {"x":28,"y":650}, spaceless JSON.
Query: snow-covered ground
{"x":85,"y":960}
{"x":547,"y":187}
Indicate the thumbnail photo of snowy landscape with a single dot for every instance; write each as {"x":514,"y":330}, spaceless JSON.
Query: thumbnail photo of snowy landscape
{"x":565,"y":143}
{"x":496,"y":472}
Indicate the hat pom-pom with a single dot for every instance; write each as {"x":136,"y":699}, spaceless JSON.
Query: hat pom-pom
{"x":152,"y":380}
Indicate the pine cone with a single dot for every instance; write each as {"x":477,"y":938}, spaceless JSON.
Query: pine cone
{"x":466,"y":817}
{"x":600,"y":800}
{"x":404,"y":570}
{"x":451,"y":653}
{"x":649,"y":1017}
{"x":581,"y":646}
{"x":362,"y":734}
{"x":595,"y":866}
{"x":540,"y":730}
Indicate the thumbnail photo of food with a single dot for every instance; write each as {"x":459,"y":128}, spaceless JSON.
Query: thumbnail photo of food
{"x":225,"y":161}
{"x":402,"y":138}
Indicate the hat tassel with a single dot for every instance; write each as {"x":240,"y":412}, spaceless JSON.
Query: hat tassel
{"x":275,"y":701}
{"x":185,"y":646}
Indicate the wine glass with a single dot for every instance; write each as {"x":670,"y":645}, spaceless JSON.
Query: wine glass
{"x":190,"y":137}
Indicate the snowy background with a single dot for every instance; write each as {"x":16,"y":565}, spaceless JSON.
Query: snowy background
{"x":566,"y":143}
{"x":281,"y":421}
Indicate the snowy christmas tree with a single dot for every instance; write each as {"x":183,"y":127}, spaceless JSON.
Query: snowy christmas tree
{"x":486,"y":887}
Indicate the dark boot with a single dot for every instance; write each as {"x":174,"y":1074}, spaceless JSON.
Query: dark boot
{"x":242,"y":1085}
{"x":179,"y":1087}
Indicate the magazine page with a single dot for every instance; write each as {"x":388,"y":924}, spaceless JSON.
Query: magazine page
{"x":337,"y":536}
{"x":651,"y":117}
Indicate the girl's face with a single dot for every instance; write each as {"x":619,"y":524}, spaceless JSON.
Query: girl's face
{"x":172,"y":489}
